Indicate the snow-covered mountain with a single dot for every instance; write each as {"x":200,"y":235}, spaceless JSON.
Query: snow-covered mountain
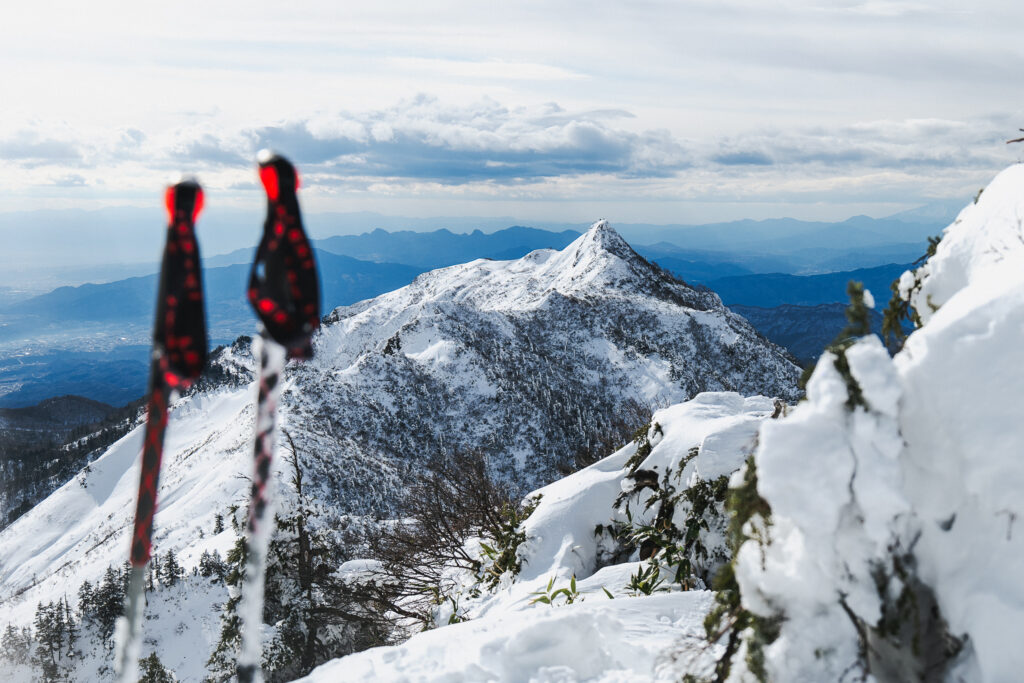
{"x":873,"y":528}
{"x":539,"y":363}
{"x":869,"y":533}
{"x":530,"y":361}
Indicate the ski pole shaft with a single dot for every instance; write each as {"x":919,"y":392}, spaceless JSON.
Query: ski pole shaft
{"x":179,"y":353}
{"x":284,"y":290}
{"x":145,"y":507}
{"x":261,"y":514}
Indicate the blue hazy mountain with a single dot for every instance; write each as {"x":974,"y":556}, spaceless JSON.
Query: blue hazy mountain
{"x":344,"y":280}
{"x":44,"y":249}
{"x":117,"y":375}
{"x":802,"y":330}
{"x":98,"y":320}
{"x":695,"y":271}
{"x":91,"y":340}
{"x":775,"y":289}
{"x":786,"y":235}
{"x":443,"y":247}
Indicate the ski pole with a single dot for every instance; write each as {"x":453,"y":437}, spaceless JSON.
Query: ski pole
{"x":179,"y":353}
{"x":285,"y":293}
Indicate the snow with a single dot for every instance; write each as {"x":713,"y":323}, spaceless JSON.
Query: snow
{"x":560,"y":532}
{"x":929,"y":470}
{"x":84,"y":526}
{"x":628,"y":638}
{"x":619,"y":640}
{"x":919,"y":486}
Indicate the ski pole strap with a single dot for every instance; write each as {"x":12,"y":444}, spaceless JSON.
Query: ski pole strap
{"x":284,"y":288}
{"x":179,"y":336}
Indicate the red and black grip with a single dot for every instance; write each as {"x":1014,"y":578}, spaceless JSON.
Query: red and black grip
{"x":180,"y":330}
{"x":284,"y":288}
{"x":179,"y":348}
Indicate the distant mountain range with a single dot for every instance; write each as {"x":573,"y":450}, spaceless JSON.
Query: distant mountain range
{"x":343,"y":279}
{"x":775,"y":289}
{"x":102,"y":330}
{"x":804,"y":331}
{"x":48,"y":248}
{"x":443,"y":248}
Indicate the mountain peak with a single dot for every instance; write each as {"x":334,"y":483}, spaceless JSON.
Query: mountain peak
{"x":602,"y":237}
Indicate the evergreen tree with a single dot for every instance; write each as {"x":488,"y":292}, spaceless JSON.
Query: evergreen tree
{"x":218,"y":523}
{"x":170,"y":571}
{"x":70,"y":627}
{"x":225,"y":655}
{"x":317,"y":617}
{"x":212,"y":565}
{"x":152,"y":670}
{"x":15,"y":645}
{"x":51,"y":628}
{"x":109,"y":602}
{"x":86,"y":602}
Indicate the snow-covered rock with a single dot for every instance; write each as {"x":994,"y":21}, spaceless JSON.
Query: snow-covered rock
{"x":922,"y":485}
{"x":628,"y":639}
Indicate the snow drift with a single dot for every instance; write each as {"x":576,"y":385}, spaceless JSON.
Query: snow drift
{"x":916,"y":495}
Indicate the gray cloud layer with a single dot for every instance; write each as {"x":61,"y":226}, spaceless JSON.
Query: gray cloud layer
{"x":553,"y":152}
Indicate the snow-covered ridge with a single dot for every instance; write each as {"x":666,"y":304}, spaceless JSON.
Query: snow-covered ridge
{"x":599,"y":263}
{"x":983,"y":248}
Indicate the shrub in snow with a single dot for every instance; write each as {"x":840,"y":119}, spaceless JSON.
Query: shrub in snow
{"x":16,"y":644}
{"x":460,"y":540}
{"x":900,"y":310}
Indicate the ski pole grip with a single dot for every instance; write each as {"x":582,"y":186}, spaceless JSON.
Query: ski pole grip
{"x":179,"y":335}
{"x":284,"y":288}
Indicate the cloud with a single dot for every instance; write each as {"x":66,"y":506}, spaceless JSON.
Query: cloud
{"x":296,"y":140}
{"x":29,"y":146}
{"x":425,"y":140}
{"x":69,"y":180}
{"x":870,"y":146}
{"x":427,"y":150}
{"x":742,"y":159}
{"x":210,"y":150}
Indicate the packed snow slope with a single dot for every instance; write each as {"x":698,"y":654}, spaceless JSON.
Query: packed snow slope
{"x":914,"y":494}
{"x":533,"y":361}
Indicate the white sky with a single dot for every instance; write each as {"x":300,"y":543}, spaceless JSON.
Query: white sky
{"x":637,"y":111}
